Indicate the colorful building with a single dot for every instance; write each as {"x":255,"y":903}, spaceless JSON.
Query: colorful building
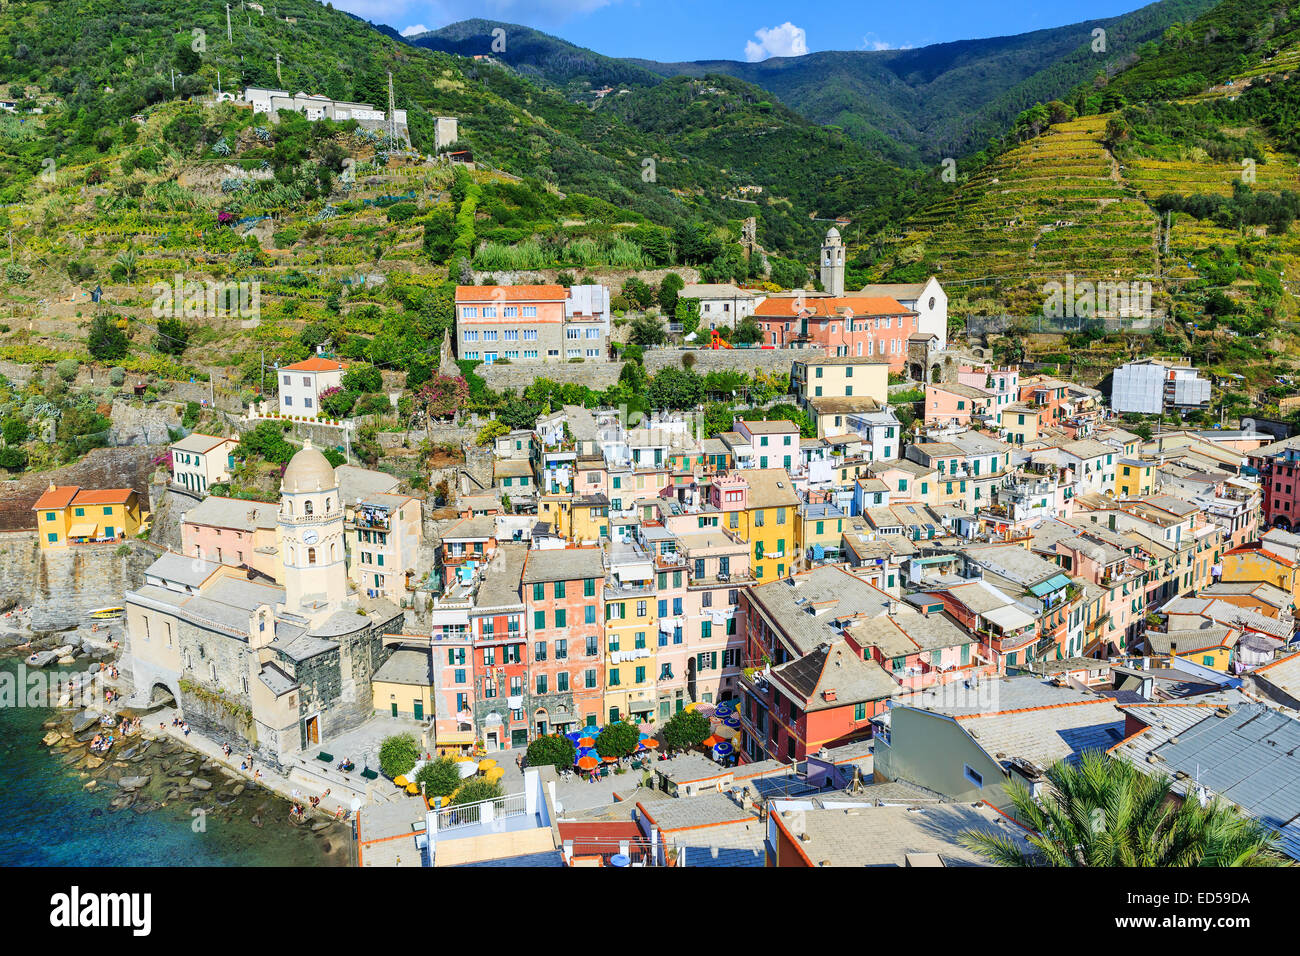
{"x":69,"y":514}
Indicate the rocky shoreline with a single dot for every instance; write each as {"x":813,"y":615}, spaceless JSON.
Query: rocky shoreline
{"x":149,"y":770}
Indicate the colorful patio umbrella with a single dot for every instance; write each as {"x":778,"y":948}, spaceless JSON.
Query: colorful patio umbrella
{"x":647,"y":729}
{"x":587,"y":763}
{"x":723,"y":709}
{"x":485,"y":765}
{"x":587,"y":742}
{"x":650,"y":743}
{"x":732,"y":721}
{"x":712,"y":740}
{"x":610,"y":759}
{"x":723,"y":749}
{"x":574,"y":735}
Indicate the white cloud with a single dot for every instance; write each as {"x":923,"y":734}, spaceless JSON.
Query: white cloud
{"x":415,"y":29}
{"x":785,"y":40}
{"x":873,"y":42}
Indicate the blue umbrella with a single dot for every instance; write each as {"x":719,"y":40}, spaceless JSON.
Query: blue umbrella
{"x":722,"y":749}
{"x":575,"y":735}
{"x":732,"y":721}
{"x":723,"y":709}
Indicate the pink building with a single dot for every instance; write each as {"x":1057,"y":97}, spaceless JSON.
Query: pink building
{"x":840,"y":326}
{"x":718,"y":566}
{"x":955,"y":404}
{"x":235,"y":532}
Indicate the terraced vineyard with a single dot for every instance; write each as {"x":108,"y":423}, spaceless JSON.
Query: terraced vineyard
{"x":1199,"y":173}
{"x":1053,"y":206}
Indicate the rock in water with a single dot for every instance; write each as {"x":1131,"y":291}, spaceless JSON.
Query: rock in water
{"x":83,"y":720}
{"x":52,"y":738}
{"x":133,"y":783}
{"x":200,"y":784}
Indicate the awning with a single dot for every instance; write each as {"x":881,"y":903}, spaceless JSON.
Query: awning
{"x":86,"y":529}
{"x":1054,"y":583}
{"x":1008,"y":618}
{"x":454,"y":737}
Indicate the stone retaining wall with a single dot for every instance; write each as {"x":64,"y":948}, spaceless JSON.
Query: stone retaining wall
{"x":63,"y":585}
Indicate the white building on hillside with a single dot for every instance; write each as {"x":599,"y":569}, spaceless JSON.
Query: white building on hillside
{"x":927,"y":299}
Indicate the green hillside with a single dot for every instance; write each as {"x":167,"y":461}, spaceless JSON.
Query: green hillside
{"x":910,"y":106}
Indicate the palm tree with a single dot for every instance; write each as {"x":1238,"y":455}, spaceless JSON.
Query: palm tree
{"x":1104,"y":811}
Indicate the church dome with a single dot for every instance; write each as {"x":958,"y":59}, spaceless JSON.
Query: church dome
{"x":832,"y":233}
{"x":308,"y":470}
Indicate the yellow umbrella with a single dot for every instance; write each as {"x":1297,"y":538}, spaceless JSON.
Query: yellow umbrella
{"x":412,"y":788}
{"x":401,"y":781}
{"x":485,"y":765}
{"x":495,"y":774}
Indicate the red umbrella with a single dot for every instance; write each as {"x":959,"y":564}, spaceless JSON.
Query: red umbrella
{"x":610,"y":759}
{"x":649,"y":742}
{"x":710,"y":740}
{"x":587,"y":763}
{"x":587,"y":742}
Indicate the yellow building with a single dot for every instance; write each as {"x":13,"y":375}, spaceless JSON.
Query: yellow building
{"x":630,"y":642}
{"x":1019,"y":424}
{"x":1214,"y":647}
{"x":818,"y":529}
{"x":68,"y":514}
{"x":579,"y":518}
{"x":403,"y":684}
{"x":840,"y":377}
{"x":767,"y":521}
{"x":1252,"y":563}
{"x":1135,"y":478}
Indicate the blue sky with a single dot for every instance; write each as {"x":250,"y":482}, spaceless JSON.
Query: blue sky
{"x":746,"y":29}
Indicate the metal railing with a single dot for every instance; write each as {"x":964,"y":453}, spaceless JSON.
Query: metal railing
{"x":472,"y":814}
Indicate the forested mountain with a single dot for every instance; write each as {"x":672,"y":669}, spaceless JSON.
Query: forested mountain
{"x":910,"y":106}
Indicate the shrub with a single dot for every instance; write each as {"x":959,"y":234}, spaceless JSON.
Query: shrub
{"x":476,"y":789}
{"x":15,"y":430}
{"x":374,"y":404}
{"x":116,"y":375}
{"x":14,"y":459}
{"x":400,"y":211}
{"x":618,"y":740}
{"x":440,"y":777}
{"x":397,"y":754}
{"x":556,"y":750}
{"x":67,"y":369}
{"x":685,"y":729}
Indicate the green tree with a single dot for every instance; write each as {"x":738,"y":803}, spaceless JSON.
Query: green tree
{"x":15,"y":430}
{"x":618,"y":740}
{"x":475,"y":789}
{"x":669,"y":289}
{"x":440,"y":777}
{"x":172,"y":337}
{"x":748,"y":331}
{"x":1104,"y":811}
{"x":397,"y":754}
{"x":675,"y":389}
{"x":13,"y":459}
{"x":555,"y":750}
{"x":647,"y":330}
{"x":491,"y":432}
{"x":363,"y":378}
{"x":685,"y":729}
{"x":105,"y":341}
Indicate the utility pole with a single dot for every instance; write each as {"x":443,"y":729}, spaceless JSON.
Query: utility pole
{"x":392,"y":112}
{"x":173,"y":72}
{"x":277,"y":69}
{"x":229,"y":36}
{"x":261,"y":387}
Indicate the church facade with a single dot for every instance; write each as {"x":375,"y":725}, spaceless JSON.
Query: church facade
{"x":277,"y":669}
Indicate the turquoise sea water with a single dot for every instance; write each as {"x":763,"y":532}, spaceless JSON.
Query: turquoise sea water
{"x":48,"y":819}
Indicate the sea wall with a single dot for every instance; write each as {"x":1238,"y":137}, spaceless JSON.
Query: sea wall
{"x":63,"y":585}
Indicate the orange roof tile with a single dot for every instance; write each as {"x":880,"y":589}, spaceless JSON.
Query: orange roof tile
{"x":831,"y":307}
{"x":511,"y":293}
{"x":102,"y":496}
{"x":56,"y":496}
{"x":314,"y":364}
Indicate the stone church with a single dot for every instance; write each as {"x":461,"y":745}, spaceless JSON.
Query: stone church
{"x":276,"y":669}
